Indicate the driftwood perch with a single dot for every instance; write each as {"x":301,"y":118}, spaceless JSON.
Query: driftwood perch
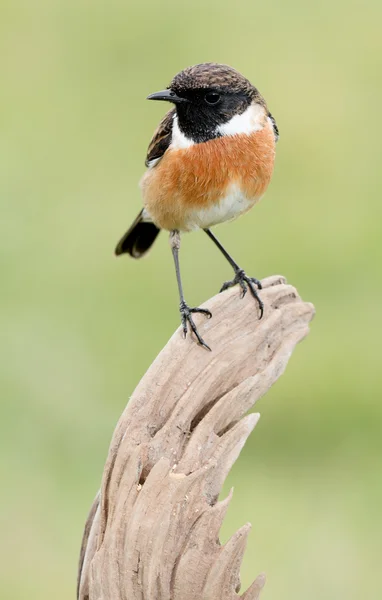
{"x":153,"y":530}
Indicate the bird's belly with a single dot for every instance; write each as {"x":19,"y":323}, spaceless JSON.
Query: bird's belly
{"x":209,"y":183}
{"x":233,"y":203}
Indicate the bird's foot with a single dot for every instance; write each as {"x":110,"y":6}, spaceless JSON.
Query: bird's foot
{"x":245,"y":283}
{"x":186,"y":316}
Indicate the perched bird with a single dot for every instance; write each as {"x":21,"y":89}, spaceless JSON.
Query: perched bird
{"x":209,"y":161}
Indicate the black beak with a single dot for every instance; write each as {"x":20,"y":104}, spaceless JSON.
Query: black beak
{"x":167,"y":96}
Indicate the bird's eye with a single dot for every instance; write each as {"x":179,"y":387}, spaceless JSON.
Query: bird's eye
{"x":212,"y":98}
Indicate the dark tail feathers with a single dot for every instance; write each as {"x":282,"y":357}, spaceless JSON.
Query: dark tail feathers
{"x":138,"y":238}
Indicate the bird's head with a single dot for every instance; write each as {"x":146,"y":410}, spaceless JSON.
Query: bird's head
{"x":213,"y":100}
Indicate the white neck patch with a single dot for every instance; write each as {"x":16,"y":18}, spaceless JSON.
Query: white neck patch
{"x":179,"y":140}
{"x":252,"y":119}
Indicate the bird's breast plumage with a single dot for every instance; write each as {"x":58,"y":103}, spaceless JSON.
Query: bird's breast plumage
{"x":210,"y":182}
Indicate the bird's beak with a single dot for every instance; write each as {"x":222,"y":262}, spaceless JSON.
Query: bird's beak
{"x":167,"y":96}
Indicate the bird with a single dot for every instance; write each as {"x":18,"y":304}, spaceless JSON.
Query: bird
{"x":209,"y":161}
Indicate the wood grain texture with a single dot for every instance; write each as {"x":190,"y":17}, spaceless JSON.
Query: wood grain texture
{"x":153,"y":531}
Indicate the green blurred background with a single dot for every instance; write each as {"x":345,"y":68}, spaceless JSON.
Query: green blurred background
{"x":79,"y":327}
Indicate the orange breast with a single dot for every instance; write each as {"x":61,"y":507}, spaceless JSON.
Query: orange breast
{"x":197,"y":177}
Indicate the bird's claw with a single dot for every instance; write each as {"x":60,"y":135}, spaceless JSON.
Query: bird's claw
{"x":185,"y":313}
{"x":245,"y":283}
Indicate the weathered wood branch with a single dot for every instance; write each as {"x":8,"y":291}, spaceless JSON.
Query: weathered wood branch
{"x":153,"y":530}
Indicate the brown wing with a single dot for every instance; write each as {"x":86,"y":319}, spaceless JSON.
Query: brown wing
{"x":161,"y":138}
{"x":275,"y":128}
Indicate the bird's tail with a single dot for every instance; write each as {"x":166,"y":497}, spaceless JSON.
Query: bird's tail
{"x":138,"y":238}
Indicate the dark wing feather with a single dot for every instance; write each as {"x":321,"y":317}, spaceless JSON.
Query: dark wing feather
{"x":161,"y":138}
{"x":275,"y":128}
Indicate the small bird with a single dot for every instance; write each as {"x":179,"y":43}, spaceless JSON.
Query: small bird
{"x":209,"y":161}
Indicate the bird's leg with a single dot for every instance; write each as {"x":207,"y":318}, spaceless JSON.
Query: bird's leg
{"x":241,"y":278}
{"x":185,"y":310}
